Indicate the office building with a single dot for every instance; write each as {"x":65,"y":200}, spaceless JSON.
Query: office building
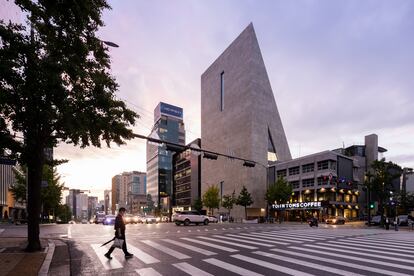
{"x":7,"y":179}
{"x":187,"y":177}
{"x":239,"y":117}
{"x":125,"y":184}
{"x":107,"y":202}
{"x":81,"y":206}
{"x":168,"y":126}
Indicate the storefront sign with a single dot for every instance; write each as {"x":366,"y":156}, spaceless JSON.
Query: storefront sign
{"x":298,"y":205}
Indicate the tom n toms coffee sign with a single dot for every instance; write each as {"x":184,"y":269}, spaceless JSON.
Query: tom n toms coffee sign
{"x":299,"y":205}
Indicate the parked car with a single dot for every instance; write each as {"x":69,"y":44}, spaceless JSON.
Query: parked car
{"x":335,"y":220}
{"x":72,"y":222}
{"x":376,"y":220}
{"x":403,"y":220}
{"x":151,"y":219}
{"x":129,"y":219}
{"x":187,"y":217}
{"x":212,"y":219}
{"x":165,"y":219}
{"x":109,"y":219}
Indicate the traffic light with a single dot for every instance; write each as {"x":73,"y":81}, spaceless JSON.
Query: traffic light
{"x":211,"y":156}
{"x":371,"y":205}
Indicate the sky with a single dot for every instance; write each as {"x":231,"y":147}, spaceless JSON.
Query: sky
{"x":339,"y":70}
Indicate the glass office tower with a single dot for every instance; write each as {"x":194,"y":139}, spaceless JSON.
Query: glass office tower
{"x":168,"y":126}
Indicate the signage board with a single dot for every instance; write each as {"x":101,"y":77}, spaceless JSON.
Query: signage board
{"x":168,"y":110}
{"x":298,"y":205}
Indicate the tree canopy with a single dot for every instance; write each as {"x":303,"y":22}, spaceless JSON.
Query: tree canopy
{"x":279,"y":192}
{"x":229,"y":201}
{"x":244,"y":199}
{"x":56,"y":86}
{"x":211,"y":198}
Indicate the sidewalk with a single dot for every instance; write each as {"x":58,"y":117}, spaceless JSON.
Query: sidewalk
{"x":53,"y":260}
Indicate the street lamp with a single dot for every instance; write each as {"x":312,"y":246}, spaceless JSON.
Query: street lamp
{"x":367,"y":181}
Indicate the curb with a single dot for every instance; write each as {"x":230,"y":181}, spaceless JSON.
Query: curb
{"x":44,"y":270}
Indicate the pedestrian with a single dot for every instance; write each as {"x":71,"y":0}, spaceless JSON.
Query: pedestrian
{"x":120,"y":234}
{"x":396,"y":222}
{"x":387,"y":223}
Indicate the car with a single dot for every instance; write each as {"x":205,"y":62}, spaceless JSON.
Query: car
{"x":165,"y":219}
{"x":129,"y":219}
{"x":151,"y":219}
{"x":376,"y":220}
{"x":403,"y":220}
{"x":72,"y":222}
{"x":335,"y":220}
{"x":84,"y":221}
{"x":212,"y":219}
{"x":187,"y":217}
{"x":109,"y":219}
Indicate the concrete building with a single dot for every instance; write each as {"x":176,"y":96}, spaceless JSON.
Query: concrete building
{"x":93,"y":206}
{"x":124,"y":185}
{"x":239,"y":117}
{"x":108,"y":202}
{"x":137,"y":203}
{"x":187,"y":178}
{"x":407,"y":180}
{"x":7,"y":179}
{"x":168,"y":126}
{"x":324,"y":184}
{"x":81,"y":206}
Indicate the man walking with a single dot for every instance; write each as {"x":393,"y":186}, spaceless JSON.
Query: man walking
{"x":120,"y":234}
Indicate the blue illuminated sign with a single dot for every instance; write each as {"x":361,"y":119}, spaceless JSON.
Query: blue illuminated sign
{"x":171,"y":110}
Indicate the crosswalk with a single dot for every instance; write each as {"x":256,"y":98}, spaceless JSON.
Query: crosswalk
{"x":347,"y":252}
{"x":1,"y":231}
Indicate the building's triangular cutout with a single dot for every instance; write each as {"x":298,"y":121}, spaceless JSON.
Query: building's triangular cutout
{"x":271,"y":150}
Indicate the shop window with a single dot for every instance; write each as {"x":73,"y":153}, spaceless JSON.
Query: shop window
{"x":347,"y":198}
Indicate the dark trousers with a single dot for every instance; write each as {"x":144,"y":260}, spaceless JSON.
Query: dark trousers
{"x":124,"y":248}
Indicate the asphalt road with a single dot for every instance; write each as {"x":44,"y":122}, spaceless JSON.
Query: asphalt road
{"x":240,"y":249}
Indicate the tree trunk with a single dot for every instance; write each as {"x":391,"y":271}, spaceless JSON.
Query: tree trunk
{"x":35,"y":165}
{"x":245,"y":213}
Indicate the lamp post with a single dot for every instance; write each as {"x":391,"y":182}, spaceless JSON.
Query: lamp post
{"x":367,"y":181}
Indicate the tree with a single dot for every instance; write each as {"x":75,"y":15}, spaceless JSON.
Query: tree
{"x":64,"y":213}
{"x":198,"y":204}
{"x":56,"y":86}
{"x":383,"y":174}
{"x":228,"y":202}
{"x":244,"y":199}
{"x":211,"y":198}
{"x":150,"y":203}
{"x":279,"y":192}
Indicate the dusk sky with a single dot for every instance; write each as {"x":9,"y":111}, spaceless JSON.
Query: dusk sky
{"x":339,"y":70}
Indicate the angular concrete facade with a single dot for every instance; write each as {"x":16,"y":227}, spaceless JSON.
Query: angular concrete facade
{"x":238,"y":114}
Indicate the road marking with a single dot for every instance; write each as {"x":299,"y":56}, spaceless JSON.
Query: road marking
{"x":166,"y":250}
{"x":147,"y":272}
{"x":144,"y":257}
{"x":1,"y":231}
{"x":294,"y":235}
{"x":108,"y":264}
{"x":285,"y":241}
{"x":332,"y":247}
{"x":198,"y":230}
{"x":211,"y":245}
{"x":191,"y":270}
{"x":257,"y":239}
{"x":387,"y":243}
{"x":227,"y":242}
{"x":215,"y":229}
{"x":271,"y":265}
{"x":2,"y":249}
{"x":330,"y":260}
{"x":387,"y":239}
{"x":283,"y":237}
{"x":358,"y":258}
{"x":206,"y":230}
{"x":190,"y":247}
{"x":232,"y":268}
{"x":178,"y":231}
{"x":70,"y":231}
{"x":239,"y":240}
{"x":189,"y":230}
{"x":379,"y":249}
{"x":308,"y":264}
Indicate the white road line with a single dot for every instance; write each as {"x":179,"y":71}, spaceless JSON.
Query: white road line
{"x":167,"y":250}
{"x":144,"y":257}
{"x":233,"y":268}
{"x":332,"y":261}
{"x":305,"y":235}
{"x":1,"y":231}
{"x":191,"y":270}
{"x":206,"y":230}
{"x":382,"y":242}
{"x":286,"y":237}
{"x":258,"y":239}
{"x":227,"y":242}
{"x":379,"y":249}
{"x":388,"y":239}
{"x":108,"y":264}
{"x":211,"y":245}
{"x":371,"y":244}
{"x":240,"y":240}
{"x":284,"y":240}
{"x":190,"y":247}
{"x":332,"y":247}
{"x":358,"y":258}
{"x":147,"y":272}
{"x":271,"y":265}
{"x":70,"y":231}
{"x":308,"y":264}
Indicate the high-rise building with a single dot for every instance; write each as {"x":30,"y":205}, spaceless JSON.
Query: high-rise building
{"x":107,"y":202}
{"x":93,"y":204}
{"x":187,"y":177}
{"x":124,"y":185}
{"x":239,"y":117}
{"x":81,"y":206}
{"x":168,"y":126}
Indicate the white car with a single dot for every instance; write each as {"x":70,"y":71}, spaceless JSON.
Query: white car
{"x":213,"y":219}
{"x":151,"y":219}
{"x":187,"y":217}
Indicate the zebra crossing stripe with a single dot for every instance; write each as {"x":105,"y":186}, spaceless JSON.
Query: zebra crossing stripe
{"x":147,"y":272}
{"x":258,"y":239}
{"x":286,"y":241}
{"x":269,"y":236}
{"x":271,"y":265}
{"x":166,"y":250}
{"x":332,"y":261}
{"x":233,"y":268}
{"x":358,"y":258}
{"x":227,"y":242}
{"x":239,"y":240}
{"x":144,"y":257}
{"x":379,"y":249}
{"x":387,"y":237}
{"x":308,"y":264}
{"x":1,"y":231}
{"x":389,"y":245}
{"x":410,"y":244}
{"x":336,"y":247}
{"x":211,"y":245}
{"x":296,"y":237}
{"x":190,"y":247}
{"x":191,"y":270}
{"x":108,"y":264}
